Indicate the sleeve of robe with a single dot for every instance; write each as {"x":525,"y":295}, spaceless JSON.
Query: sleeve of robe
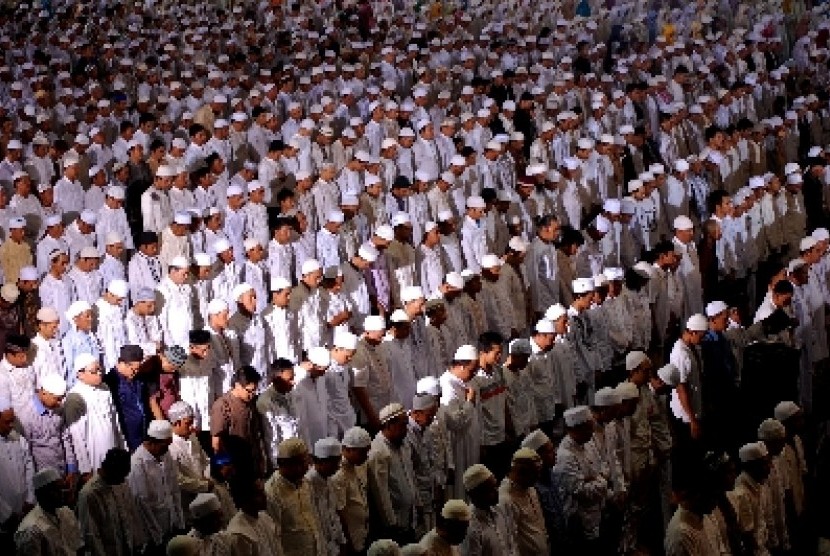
{"x":378,"y":475}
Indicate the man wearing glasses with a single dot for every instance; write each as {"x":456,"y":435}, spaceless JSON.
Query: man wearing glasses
{"x":90,"y":411}
{"x":234,"y":418}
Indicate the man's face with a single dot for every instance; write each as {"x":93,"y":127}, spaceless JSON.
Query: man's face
{"x":84,"y":321}
{"x":178,"y":275}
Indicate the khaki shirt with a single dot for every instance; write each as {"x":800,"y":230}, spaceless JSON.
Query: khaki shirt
{"x":42,"y":533}
{"x":685,"y":536}
{"x":290,"y":507}
{"x":350,"y":488}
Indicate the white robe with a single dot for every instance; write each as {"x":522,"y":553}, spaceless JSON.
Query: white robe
{"x":155,"y":487}
{"x":93,"y":424}
{"x":174,"y":306}
{"x":463,"y":423}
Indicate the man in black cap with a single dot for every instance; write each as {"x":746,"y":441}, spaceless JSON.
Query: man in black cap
{"x":199,"y":382}
{"x":130,"y":395}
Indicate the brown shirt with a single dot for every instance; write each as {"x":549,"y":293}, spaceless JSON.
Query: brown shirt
{"x":231,"y":417}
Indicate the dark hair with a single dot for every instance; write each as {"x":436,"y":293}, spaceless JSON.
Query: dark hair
{"x":711,"y":131}
{"x":125,"y":125}
{"x":488,"y":340}
{"x":284,"y":194}
{"x":783,"y":287}
{"x":715,"y":199}
{"x":194,"y":129}
{"x":246,"y":375}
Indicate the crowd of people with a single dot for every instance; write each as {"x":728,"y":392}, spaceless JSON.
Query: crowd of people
{"x":492,"y":278}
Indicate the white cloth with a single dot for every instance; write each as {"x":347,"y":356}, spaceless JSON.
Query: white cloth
{"x":93,"y":424}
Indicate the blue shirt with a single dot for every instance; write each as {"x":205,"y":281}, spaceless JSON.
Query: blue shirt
{"x":129,"y":398}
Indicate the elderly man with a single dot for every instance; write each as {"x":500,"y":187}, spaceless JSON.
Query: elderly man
{"x":153,"y":483}
{"x":91,"y":414}
{"x":192,"y":464}
{"x":579,"y":463}
{"x":45,"y":427}
{"x":80,"y":338}
{"x":391,"y":478}
{"x":51,"y":527}
{"x":290,"y":502}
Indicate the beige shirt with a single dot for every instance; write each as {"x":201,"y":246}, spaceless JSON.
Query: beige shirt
{"x":685,"y":536}
{"x":531,"y":534}
{"x":42,"y":533}
{"x":290,"y":507}
{"x":350,"y":489}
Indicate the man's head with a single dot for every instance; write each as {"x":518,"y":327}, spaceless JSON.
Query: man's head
{"x":326,"y":456}
{"x":206,"y":511}
{"x":129,"y":360}
{"x":481,"y":486}
{"x":465,"y":363}
{"x":453,"y":521}
{"x":579,"y":424}
{"x":393,"y":423}
{"x":17,"y":350}
{"x":292,"y":459}
{"x":48,"y":487}
{"x":525,"y":468}
{"x":158,"y":438}
{"x":245,"y":383}
{"x":52,"y":391}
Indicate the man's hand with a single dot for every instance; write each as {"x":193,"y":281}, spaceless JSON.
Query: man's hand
{"x":697,"y":432}
{"x":471,"y":395}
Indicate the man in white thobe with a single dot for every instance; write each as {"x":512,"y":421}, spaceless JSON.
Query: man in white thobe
{"x":174,"y":303}
{"x":153,"y":483}
{"x":90,"y":413}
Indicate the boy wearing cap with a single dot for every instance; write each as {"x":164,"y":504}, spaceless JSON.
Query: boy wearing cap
{"x":156,"y":213}
{"x":153,"y":482}
{"x":53,"y":240}
{"x":326,"y":457}
{"x":50,"y":527}
{"x":350,"y":487}
{"x":250,"y":328}
{"x":686,"y":402}
{"x":111,"y":328}
{"x":308,"y":303}
{"x":144,"y":268}
{"x":141,"y":322}
{"x":84,"y":279}
{"x":15,"y":252}
{"x":112,"y":265}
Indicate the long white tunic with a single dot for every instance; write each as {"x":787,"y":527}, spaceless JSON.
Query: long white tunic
{"x":93,"y":424}
{"x":156,"y":490}
{"x":463,"y":420}
{"x":16,"y":472}
{"x":112,"y":331}
{"x":174,"y":306}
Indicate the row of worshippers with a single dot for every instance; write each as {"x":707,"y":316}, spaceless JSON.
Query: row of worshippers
{"x":342,"y":495}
